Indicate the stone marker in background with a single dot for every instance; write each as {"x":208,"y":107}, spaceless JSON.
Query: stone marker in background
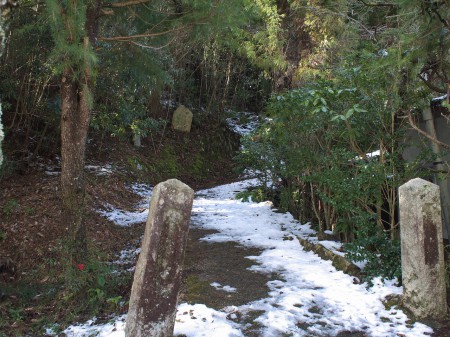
{"x":137,"y":140}
{"x":157,"y":279}
{"x":182,"y":119}
{"x":423,"y":266}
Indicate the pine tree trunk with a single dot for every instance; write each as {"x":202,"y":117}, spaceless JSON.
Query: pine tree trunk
{"x":75,"y":117}
{"x":76,"y":100}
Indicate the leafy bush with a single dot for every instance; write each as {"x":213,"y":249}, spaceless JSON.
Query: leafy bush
{"x":381,"y":255}
{"x":318,"y":148}
{"x":90,"y":286}
{"x":255,"y":194}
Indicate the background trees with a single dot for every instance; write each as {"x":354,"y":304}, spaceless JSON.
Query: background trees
{"x":335,"y":142}
{"x":348,"y":77}
{"x":73,"y":64}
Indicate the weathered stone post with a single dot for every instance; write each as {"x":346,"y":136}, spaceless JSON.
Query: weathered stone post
{"x":157,"y":278}
{"x":182,"y":119}
{"x":423,"y":266}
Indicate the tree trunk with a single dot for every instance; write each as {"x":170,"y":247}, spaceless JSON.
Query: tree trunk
{"x":75,"y":118}
{"x":297,"y":45}
{"x":439,"y":165}
{"x":154,"y":105}
{"x":76,"y":100}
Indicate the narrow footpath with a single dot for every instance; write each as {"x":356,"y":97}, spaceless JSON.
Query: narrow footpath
{"x":247,"y":275}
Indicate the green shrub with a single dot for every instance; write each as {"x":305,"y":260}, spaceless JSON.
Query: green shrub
{"x":254,"y":194}
{"x":381,"y":255}
{"x":316,"y":148}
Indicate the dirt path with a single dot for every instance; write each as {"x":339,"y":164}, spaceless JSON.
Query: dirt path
{"x":225,"y":263}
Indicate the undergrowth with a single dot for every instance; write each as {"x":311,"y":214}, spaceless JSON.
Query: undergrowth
{"x":58,"y":293}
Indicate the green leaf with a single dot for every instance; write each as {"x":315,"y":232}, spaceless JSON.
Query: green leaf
{"x":349,"y":113}
{"x":101,"y":281}
{"x":334,"y":118}
{"x":358,"y":109}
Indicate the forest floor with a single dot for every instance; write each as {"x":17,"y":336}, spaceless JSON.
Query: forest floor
{"x":31,"y":246}
{"x":31,"y":233}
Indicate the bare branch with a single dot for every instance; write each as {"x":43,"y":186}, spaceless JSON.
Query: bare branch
{"x":432,"y":86}
{"x":377,"y":4}
{"x":127,"y":3}
{"x":423,"y":133}
{"x":138,"y":36}
{"x":106,"y":11}
{"x":444,"y":22}
{"x":151,"y":47}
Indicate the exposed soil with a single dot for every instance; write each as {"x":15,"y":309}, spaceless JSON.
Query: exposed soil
{"x":30,"y":205}
{"x":225,"y":263}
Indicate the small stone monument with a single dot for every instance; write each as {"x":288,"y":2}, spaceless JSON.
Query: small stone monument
{"x":182,"y":119}
{"x":137,"y":140}
{"x":157,"y":279}
{"x":423,"y":266}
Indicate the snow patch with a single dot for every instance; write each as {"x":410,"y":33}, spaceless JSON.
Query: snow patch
{"x":200,"y":321}
{"x":99,"y":169}
{"x":243,"y":123}
{"x":227,"y":289}
{"x":127,"y":218}
{"x":115,"y":328}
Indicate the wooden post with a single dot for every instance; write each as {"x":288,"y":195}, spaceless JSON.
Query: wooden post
{"x":157,"y":278}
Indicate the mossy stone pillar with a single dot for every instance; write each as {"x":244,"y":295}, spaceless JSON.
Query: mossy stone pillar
{"x":423,"y":266}
{"x":157,"y":279}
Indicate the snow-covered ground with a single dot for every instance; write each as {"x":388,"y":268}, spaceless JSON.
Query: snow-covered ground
{"x":128,"y":218}
{"x":243,"y":123}
{"x":309,"y":298}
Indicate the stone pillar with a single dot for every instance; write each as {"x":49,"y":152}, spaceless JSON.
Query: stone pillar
{"x":136,"y":140}
{"x":157,"y":278}
{"x":423,"y":266}
{"x":182,"y":119}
